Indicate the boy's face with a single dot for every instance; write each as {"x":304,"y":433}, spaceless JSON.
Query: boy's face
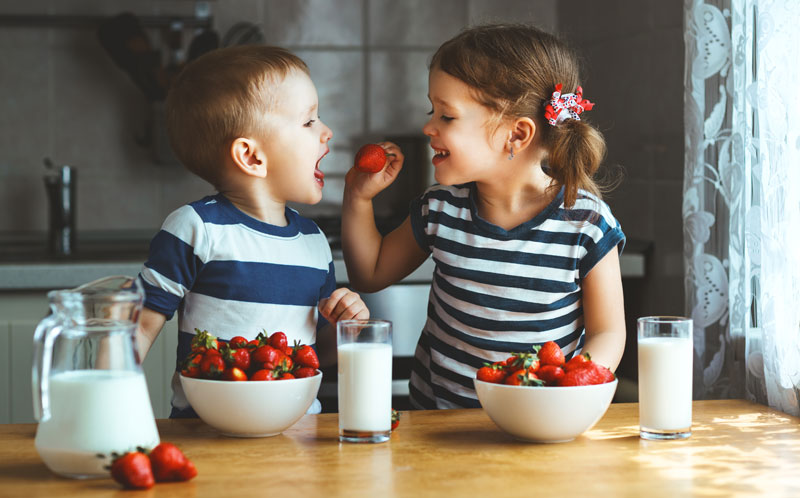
{"x":296,"y":142}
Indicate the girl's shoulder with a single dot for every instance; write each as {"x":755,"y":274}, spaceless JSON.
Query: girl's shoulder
{"x":589,"y":206}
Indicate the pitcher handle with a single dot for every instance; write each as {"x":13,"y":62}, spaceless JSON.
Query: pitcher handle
{"x":43,"y":338}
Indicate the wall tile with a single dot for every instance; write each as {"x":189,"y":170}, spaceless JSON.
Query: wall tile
{"x":24,"y":202}
{"x":632,"y":204}
{"x":124,"y":202}
{"x":590,"y":20}
{"x":415,"y":23}
{"x":226,"y":13}
{"x":397,"y":92}
{"x":313,"y":22}
{"x":339,"y":78}
{"x":542,"y":13}
{"x":666,"y":108}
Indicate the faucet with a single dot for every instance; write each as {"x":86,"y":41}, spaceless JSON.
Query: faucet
{"x":59,"y":182}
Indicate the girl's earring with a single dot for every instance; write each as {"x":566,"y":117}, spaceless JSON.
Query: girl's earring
{"x":511,"y":156}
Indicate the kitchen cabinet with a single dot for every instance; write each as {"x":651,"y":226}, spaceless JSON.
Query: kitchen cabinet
{"x":20,"y":312}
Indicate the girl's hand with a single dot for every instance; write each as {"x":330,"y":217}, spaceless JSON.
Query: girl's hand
{"x":359,"y":184}
{"x":343,"y":304}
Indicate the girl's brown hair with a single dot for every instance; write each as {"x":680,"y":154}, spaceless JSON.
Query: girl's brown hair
{"x":513,"y":70}
{"x":223,"y":95}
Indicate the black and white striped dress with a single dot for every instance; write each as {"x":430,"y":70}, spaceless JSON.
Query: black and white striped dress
{"x":496,"y":291}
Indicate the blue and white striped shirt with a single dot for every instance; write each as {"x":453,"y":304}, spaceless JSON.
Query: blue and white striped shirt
{"x":230,"y":274}
{"x":496,"y":291}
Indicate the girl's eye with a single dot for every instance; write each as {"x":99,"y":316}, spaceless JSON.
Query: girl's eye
{"x":310,"y":123}
{"x":442,"y":117}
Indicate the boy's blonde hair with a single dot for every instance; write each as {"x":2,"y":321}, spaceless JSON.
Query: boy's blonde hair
{"x":513,"y":69}
{"x":223,"y":95}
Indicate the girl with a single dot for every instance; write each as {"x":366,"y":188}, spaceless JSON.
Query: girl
{"x":525,"y":250}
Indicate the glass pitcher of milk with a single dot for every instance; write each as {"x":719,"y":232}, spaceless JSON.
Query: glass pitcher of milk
{"x":89,"y":392}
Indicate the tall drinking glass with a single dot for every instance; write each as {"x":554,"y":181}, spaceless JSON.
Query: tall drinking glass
{"x":665,"y":377}
{"x":365,"y":380}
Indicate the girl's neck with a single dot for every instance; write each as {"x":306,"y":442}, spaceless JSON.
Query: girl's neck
{"x":515,"y":199}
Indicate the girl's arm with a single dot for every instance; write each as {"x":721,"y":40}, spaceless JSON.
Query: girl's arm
{"x":375,"y":262}
{"x":604,"y":312}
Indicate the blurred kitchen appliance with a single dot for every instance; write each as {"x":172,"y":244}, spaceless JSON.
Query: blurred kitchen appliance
{"x":60,"y":183}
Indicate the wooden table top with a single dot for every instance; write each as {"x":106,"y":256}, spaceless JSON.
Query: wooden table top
{"x":737,"y":448}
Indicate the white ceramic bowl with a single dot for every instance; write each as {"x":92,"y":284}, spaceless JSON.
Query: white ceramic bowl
{"x":545,"y":414}
{"x":251,"y":408}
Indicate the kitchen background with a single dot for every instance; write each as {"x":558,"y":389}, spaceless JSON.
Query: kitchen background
{"x":63,"y":97}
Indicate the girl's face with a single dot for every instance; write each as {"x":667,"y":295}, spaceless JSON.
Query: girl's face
{"x":296,"y":143}
{"x":465,"y":149}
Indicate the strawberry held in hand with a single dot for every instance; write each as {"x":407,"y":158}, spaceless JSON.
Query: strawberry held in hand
{"x":370,"y":158}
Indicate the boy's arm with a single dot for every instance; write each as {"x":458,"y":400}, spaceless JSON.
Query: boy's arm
{"x":150,"y":324}
{"x":604,"y":312}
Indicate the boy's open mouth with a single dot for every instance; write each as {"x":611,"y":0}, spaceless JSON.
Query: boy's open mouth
{"x":318,"y":174}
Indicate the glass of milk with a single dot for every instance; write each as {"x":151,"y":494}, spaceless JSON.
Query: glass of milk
{"x":364,"y":350}
{"x":665,"y":377}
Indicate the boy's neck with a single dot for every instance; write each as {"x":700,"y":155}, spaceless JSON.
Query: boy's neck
{"x":261,"y":208}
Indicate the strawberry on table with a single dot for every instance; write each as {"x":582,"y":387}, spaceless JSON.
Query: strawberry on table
{"x":133,"y":470}
{"x":170,"y":464}
{"x":395,"y":419}
{"x":370,"y":158}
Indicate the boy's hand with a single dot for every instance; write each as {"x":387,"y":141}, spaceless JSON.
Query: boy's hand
{"x":343,"y":304}
{"x":367,"y":185}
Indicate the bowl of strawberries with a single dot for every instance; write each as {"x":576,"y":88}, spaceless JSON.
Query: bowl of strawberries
{"x":254,"y":388}
{"x":540,"y":397}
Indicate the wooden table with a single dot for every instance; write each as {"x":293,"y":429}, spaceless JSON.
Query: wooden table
{"x":737,"y":449}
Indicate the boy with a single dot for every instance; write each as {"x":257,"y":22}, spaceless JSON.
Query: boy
{"x":236,"y":263}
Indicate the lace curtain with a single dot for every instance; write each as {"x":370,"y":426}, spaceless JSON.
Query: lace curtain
{"x":741,"y":203}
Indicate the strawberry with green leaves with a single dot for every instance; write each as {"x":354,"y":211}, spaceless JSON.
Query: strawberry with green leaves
{"x":170,"y":464}
{"x":492,"y":372}
{"x":203,"y":341}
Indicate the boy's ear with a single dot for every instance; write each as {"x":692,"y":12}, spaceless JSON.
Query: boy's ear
{"x":522,"y":133}
{"x":248,"y":157}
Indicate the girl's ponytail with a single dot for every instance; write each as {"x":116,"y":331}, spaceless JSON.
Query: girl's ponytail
{"x":576,"y":150}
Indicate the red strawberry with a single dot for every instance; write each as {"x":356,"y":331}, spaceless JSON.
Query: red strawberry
{"x":577,"y":361}
{"x":278,"y":341}
{"x":305,"y":372}
{"x":550,"y":354}
{"x":239,"y":358}
{"x":133,"y":470}
{"x":212,"y":365}
{"x":370,"y":158}
{"x":306,"y":356}
{"x":495,"y":374}
{"x":191,"y":365}
{"x":523,"y":377}
{"x":169,"y":464}
{"x":263,"y":374}
{"x":238,"y":342}
{"x":286,"y":375}
{"x":265,"y":354}
{"x":591,"y":373}
{"x":551,"y":374}
{"x":395,"y":419}
{"x":203,"y":341}
{"x":234,"y":374}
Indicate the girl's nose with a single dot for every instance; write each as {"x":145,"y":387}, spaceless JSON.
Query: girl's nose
{"x":428,"y":129}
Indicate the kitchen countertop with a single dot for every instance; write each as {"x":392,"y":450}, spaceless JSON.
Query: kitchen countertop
{"x":737,"y":448}
{"x":25,"y":264}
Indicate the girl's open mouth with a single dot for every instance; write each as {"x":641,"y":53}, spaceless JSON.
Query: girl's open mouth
{"x":439,"y":155}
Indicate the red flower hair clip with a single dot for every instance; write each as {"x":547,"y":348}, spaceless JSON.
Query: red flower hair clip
{"x":566,"y":106}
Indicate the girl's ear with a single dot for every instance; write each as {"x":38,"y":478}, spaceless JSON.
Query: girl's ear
{"x":522,"y":133}
{"x":247,"y":156}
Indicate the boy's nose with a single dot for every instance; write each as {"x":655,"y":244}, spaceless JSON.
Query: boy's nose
{"x":327,"y":133}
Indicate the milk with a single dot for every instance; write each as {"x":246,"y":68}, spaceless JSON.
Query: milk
{"x":94,"y":412}
{"x":365,"y":387}
{"x":665,"y":383}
